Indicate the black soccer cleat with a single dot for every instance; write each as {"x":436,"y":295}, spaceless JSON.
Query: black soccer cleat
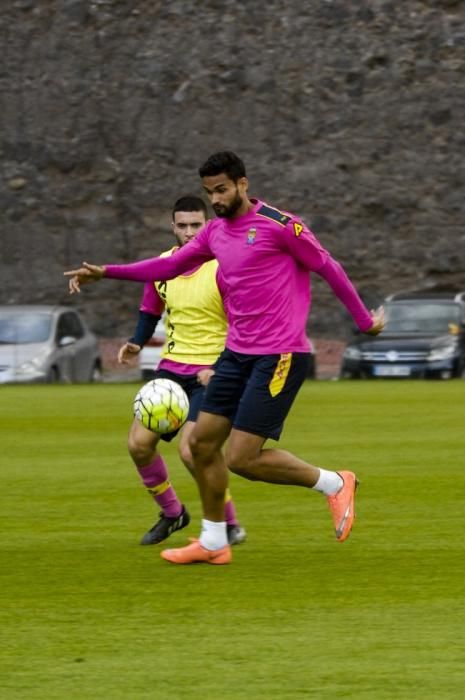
{"x":236,"y":534}
{"x":165,"y":527}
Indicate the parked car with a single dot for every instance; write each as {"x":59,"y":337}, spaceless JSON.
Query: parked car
{"x":424,"y":336}
{"x":41,"y":343}
{"x":150,"y":355}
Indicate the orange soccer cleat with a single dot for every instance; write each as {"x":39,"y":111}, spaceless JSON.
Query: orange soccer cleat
{"x":342,"y":506}
{"x":194,"y":552}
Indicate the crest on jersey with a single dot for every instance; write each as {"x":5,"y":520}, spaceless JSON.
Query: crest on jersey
{"x":251,"y":236}
{"x":298,"y":228}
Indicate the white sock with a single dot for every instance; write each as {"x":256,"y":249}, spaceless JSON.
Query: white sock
{"x":213,"y":535}
{"x":328,"y":483}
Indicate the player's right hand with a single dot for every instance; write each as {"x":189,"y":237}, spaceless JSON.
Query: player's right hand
{"x":83,"y":275}
{"x":127,"y":352}
{"x":379,"y":321}
{"x":204,"y":376}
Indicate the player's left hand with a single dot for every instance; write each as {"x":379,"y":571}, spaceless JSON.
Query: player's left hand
{"x":204,"y":376}
{"x":85,"y":274}
{"x":379,"y":321}
{"x":127,"y":352}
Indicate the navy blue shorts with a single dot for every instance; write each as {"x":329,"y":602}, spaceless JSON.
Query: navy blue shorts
{"x":194,"y":391}
{"x":255,"y":392}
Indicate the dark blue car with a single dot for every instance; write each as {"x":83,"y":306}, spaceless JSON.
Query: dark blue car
{"x":424,"y":337}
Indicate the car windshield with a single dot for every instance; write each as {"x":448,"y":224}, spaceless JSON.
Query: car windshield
{"x":421,"y":317}
{"x":24,"y":328}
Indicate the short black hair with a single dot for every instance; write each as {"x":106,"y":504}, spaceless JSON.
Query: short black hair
{"x":190,"y":203}
{"x":223,"y":162}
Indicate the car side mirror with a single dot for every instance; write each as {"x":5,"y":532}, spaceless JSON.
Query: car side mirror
{"x":66,"y":340}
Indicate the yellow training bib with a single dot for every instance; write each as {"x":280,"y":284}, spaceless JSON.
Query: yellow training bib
{"x":194,"y":316}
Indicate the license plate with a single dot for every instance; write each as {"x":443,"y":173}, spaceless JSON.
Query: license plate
{"x":391,"y":371}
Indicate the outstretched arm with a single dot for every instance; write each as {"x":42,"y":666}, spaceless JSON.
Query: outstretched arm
{"x":304,"y":246}
{"x":84,"y":275}
{"x":379,"y":321}
{"x":368,"y":322}
{"x":190,"y":255}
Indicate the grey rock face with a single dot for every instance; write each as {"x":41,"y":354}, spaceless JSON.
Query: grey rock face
{"x":350,"y":114}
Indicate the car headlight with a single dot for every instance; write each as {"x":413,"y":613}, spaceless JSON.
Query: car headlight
{"x":442,"y":353}
{"x":31,"y":366}
{"x":352,"y":353}
{"x":26,"y":368}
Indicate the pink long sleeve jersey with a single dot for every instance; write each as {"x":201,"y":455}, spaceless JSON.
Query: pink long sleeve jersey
{"x":265,"y":257}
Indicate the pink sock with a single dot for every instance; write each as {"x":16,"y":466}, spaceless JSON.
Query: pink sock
{"x":230,"y":511}
{"x":155,"y":479}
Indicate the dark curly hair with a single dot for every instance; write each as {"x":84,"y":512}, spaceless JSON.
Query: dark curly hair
{"x":223,"y":162}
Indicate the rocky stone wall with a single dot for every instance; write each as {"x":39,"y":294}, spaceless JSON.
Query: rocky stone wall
{"x":348,"y":112}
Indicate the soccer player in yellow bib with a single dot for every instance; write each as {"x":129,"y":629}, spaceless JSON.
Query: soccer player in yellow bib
{"x":195,"y":319}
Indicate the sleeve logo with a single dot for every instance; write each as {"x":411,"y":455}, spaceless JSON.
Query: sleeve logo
{"x":298,"y":228}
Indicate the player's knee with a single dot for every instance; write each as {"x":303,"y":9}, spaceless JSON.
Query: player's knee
{"x":186,"y":456}
{"x":140,"y":452}
{"x":201,"y":450}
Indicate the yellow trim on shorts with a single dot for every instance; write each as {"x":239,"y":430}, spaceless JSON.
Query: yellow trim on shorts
{"x":279,"y":377}
{"x":159,"y":488}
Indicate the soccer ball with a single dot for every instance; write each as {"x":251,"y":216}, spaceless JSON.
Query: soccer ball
{"x":161,"y":405}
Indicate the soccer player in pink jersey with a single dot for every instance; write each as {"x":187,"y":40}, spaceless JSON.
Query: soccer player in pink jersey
{"x":265,"y":256}
{"x":196,"y":329}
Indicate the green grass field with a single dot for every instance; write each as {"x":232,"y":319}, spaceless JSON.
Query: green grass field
{"x":87,"y":613}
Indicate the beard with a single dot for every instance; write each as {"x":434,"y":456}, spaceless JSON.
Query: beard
{"x":227,"y":212}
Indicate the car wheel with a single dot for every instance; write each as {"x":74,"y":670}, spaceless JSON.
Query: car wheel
{"x":349,"y":375}
{"x":96,"y":375}
{"x":53,"y":376}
